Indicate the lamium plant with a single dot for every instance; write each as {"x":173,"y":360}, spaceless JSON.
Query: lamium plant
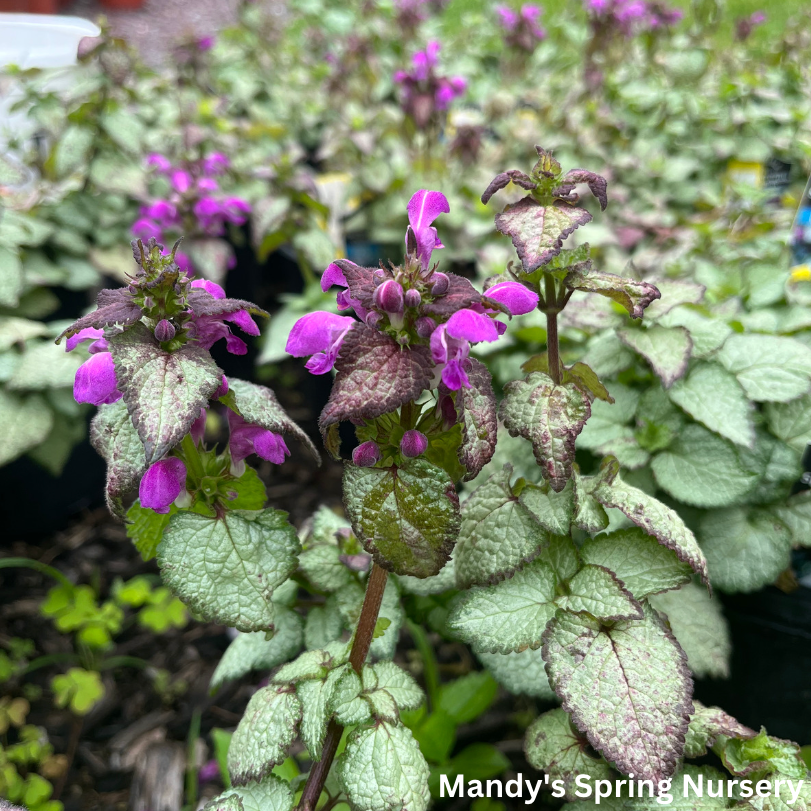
{"x":561,"y":583}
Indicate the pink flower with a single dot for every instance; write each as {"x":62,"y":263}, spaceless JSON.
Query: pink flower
{"x":205,"y":43}
{"x":333,"y":275}
{"x":507,"y":17}
{"x":159,"y":162}
{"x":514,"y":296}
{"x":216,"y":163}
{"x":423,"y":208}
{"x":145,"y":229}
{"x":450,"y":344}
{"x":95,"y":381}
{"x":320,"y":335}
{"x":181,"y":180}
{"x":162,"y":483}
{"x":247,"y":438}
{"x":211,"y":328}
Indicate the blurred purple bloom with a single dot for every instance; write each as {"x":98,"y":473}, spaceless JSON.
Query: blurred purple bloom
{"x":320,"y":335}
{"x":181,"y":180}
{"x":209,"y":772}
{"x":159,"y":162}
{"x":423,"y":208}
{"x":162,"y":483}
{"x":507,"y":17}
{"x":205,"y":43}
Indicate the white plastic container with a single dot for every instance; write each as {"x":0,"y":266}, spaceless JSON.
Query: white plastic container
{"x":42,"y":40}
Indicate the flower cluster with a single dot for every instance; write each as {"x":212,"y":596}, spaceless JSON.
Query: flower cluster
{"x":521,"y":29}
{"x":424,"y":91}
{"x":633,"y":17}
{"x":744,"y":26}
{"x":194,"y":204}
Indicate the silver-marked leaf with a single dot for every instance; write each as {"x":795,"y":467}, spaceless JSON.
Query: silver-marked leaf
{"x":791,"y":422}
{"x":498,"y":534}
{"x":315,"y":696}
{"x":707,"y":724}
{"x":254,"y":652}
{"x":258,"y":405}
{"x":226,"y":568}
{"x":12,"y":279}
{"x":477,"y":413}
{"x":44,"y":366}
{"x":375,"y":376}
{"x":164,"y":391}
{"x":346,"y":703}
{"x":656,"y":519}
{"x":264,"y":734}
{"x":589,"y":514}
{"x":521,"y":673}
{"x":24,"y":423}
{"x":784,"y":802}
{"x":795,"y":514}
{"x":638,"y":716}
{"x":666,"y":349}
{"x":562,"y":555}
{"x":640,"y":562}
{"x":596,"y":591}
{"x":771,"y":368}
{"x":400,"y":685}
{"x":537,"y":231}
{"x":633,"y":295}
{"x":699,"y":627}
{"x":446,"y":579}
{"x":555,"y":747}
{"x":553,"y":511}
{"x":406,"y":517}
{"x":713,"y":396}
{"x":508,"y":616}
{"x":272,"y":794}
{"x":702,"y":469}
{"x":382,"y":705}
{"x":382,"y":769}
{"x":114,"y":438}
{"x":115,"y":308}
{"x":550,"y":417}
{"x":745,"y":550}
{"x":707,"y":334}
{"x":210,"y":257}
{"x":323,"y":567}
{"x":312,"y":664}
{"x":676,"y":292}
{"x":502,"y":180}
{"x":324,"y":625}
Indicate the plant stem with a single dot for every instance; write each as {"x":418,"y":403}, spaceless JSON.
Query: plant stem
{"x":364,"y":633}
{"x":552,"y":345}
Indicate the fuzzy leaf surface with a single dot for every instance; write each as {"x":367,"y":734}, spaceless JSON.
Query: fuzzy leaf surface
{"x":626,"y":687}
{"x":114,"y":308}
{"x":226,"y":568}
{"x":461,"y":295}
{"x":537,"y":231}
{"x":407,"y":518}
{"x":666,"y":349}
{"x":203,"y":303}
{"x":498,"y":534}
{"x":550,"y":417}
{"x":553,"y":511}
{"x":164,"y":391}
{"x":400,"y":685}
{"x":509,"y":616}
{"x":791,"y":422}
{"x":476,"y":407}
{"x":597,"y":591}
{"x":706,"y":725}
{"x":382,"y":769}
{"x":315,"y":696}
{"x":521,"y":673}
{"x":502,"y":180}
{"x":633,"y":295}
{"x":264,"y":734}
{"x":272,"y":794}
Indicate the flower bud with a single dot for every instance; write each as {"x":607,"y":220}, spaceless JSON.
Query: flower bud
{"x":389,"y":297}
{"x":403,"y":339}
{"x":380,"y":276}
{"x":372,"y":318}
{"x":425,"y":326}
{"x":164,"y":331}
{"x":413,"y":443}
{"x":223,"y":389}
{"x":412,"y":298}
{"x":367,"y":454}
{"x":440,"y":284}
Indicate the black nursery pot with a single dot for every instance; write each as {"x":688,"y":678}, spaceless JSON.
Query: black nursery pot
{"x":770,"y":684}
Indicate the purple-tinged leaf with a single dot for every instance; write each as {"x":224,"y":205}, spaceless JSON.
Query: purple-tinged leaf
{"x":114,"y":307}
{"x":597,"y":184}
{"x":666,"y":349}
{"x":201,"y":302}
{"x":375,"y":376}
{"x":460,"y":296}
{"x":258,"y":405}
{"x":597,"y":591}
{"x":114,"y":438}
{"x":633,"y":295}
{"x":546,"y":165}
{"x":580,"y":374}
{"x":550,"y":417}
{"x":164,"y":391}
{"x":588,"y":513}
{"x":476,"y":407}
{"x":360,"y":282}
{"x":501,"y":181}
{"x":707,"y":725}
{"x":656,"y":519}
{"x":537,"y":231}
{"x":406,"y":517}
{"x":638,"y":717}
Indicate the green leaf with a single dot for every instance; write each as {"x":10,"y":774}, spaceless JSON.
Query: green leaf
{"x":255,"y":652}
{"x":703,"y":470}
{"x":466,"y":698}
{"x":555,"y":747}
{"x":596,"y":591}
{"x":521,"y":673}
{"x":55,"y":450}
{"x":550,"y":417}
{"x":714,"y":397}
{"x":382,"y":769}
{"x":391,"y":609}
{"x":400,"y":685}
{"x":634,"y":296}
{"x":498,"y":534}
{"x":406,"y":517}
{"x":656,"y":519}
{"x":315,"y":696}
{"x":125,"y":129}
{"x":45,"y":366}
{"x":745,"y":549}
{"x":588,"y":513}
{"x":638,"y":717}
{"x":114,"y":438}
{"x":226,"y":568}
{"x":707,"y":334}
{"x":164,"y":391}
{"x":795,"y":514}
{"x":25,"y":421}
{"x":553,"y":511}
{"x":508,"y":616}
{"x":667,"y":350}
{"x":791,"y":422}
{"x":272,"y":794}
{"x":436,"y":735}
{"x":250,"y":491}
{"x":79,"y":690}
{"x":11,"y":277}
{"x":699,"y":627}
{"x":346,"y":702}
{"x":640,"y":562}
{"x":313,"y":664}
{"x":324,"y":625}
{"x":264,"y":734}
{"x":145,"y":528}
{"x":72,"y":148}
{"x":707,"y":725}
{"x":18,"y":331}
{"x":770,"y":368}
{"x":763,"y":754}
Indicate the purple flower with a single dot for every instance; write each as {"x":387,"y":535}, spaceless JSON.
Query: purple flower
{"x":145,"y":229}
{"x":209,"y":772}
{"x":210,"y":328}
{"x":246,"y":438}
{"x":205,"y":43}
{"x":333,"y":275}
{"x":161,"y":210}
{"x":450,"y":344}
{"x":95,"y":381}
{"x":162,"y":483}
{"x":88,"y":334}
{"x":320,"y":335}
{"x":367,"y":454}
{"x":514,"y":296}
{"x":181,"y":180}
{"x":160,"y":162}
{"x":423,"y":208}
{"x":423,"y":61}
{"x":413,"y":443}
{"x":216,"y":163}
{"x":507,"y":17}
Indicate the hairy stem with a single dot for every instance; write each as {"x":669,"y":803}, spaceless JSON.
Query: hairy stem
{"x":357,"y":656}
{"x":552,"y":344}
